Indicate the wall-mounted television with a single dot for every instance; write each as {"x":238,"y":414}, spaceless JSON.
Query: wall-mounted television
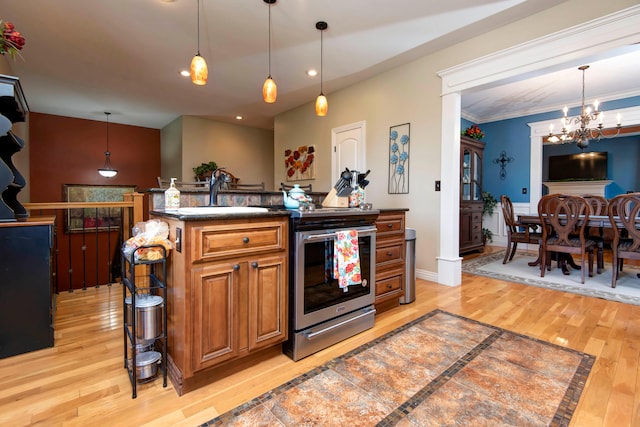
{"x":578,"y":167}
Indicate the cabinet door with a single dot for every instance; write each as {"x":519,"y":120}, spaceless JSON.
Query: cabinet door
{"x":267,"y":301}
{"x":214,"y":304}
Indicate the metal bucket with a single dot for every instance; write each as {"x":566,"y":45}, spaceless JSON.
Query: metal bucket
{"x":148,"y":316}
{"x":142,"y":346}
{"x":147,"y":365}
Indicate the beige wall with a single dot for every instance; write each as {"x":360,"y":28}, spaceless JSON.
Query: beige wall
{"x":171,"y":151}
{"x":411,"y":93}
{"x":245,"y":152}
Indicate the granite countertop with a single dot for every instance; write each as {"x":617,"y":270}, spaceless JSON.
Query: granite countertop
{"x":217,"y":216}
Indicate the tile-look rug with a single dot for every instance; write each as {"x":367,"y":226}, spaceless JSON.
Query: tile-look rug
{"x":441,"y":369}
{"x":627,"y":288}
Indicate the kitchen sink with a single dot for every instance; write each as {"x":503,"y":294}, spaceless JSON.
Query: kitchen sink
{"x":220,"y":210}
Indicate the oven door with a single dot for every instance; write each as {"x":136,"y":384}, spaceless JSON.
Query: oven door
{"x":317,"y":296}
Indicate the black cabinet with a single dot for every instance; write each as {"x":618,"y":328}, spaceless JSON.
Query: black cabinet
{"x":26,"y":287}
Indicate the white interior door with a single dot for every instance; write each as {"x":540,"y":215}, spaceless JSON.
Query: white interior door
{"x":348,"y":148}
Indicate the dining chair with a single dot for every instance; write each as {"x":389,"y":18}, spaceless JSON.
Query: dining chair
{"x":239,"y":186}
{"x":164,"y":183}
{"x":516,"y":232}
{"x":598,"y":205}
{"x":287,"y":187}
{"x":564,"y":219}
{"x":624,"y":214}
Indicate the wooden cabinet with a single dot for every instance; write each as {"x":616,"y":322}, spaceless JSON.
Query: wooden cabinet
{"x":471,"y":152}
{"x":227,"y":295}
{"x":390,"y":258}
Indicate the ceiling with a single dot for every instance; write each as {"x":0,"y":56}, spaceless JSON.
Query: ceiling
{"x":124,"y":56}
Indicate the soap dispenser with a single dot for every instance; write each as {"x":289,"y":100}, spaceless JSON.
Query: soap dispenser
{"x":172,"y":196}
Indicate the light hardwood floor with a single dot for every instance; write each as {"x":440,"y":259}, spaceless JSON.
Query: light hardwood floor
{"x":82,"y":382}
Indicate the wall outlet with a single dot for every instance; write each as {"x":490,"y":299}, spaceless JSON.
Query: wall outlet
{"x":437,"y":185}
{"x":524,"y":190}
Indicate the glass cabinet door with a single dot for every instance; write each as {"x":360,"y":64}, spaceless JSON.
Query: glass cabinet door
{"x":465,"y":171}
{"x":477,"y":176}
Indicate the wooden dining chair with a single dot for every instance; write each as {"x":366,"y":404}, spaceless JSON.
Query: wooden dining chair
{"x":624,"y":214}
{"x":242,"y":186}
{"x":516,"y":232}
{"x":287,"y":187}
{"x":598,"y":205}
{"x":164,"y":183}
{"x":564,"y":219}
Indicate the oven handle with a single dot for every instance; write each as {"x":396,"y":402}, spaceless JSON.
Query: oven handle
{"x":323,"y":236}
{"x":312,"y":335}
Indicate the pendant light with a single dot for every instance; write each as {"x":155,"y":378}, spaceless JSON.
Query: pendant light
{"x":321,"y":102}
{"x":199,"y":70}
{"x":269,"y":89}
{"x":107,"y":171}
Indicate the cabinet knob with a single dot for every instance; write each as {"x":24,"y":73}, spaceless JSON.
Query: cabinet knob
{"x":236,"y":267}
{"x":389,"y":286}
{"x":245,"y":240}
{"x":254,"y":264}
{"x":389,"y":254}
{"x":389,"y":225}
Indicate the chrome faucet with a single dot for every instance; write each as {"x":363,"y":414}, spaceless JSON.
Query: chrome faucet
{"x":218,"y":177}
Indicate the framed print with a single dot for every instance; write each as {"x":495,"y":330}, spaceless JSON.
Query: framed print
{"x":399,"y":138}
{"x":299,"y":163}
{"x":91,"y":219}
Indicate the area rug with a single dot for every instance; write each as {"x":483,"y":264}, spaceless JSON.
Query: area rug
{"x":627,"y":288}
{"x":441,"y":369}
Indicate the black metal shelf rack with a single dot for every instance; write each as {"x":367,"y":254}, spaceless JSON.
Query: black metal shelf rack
{"x":143,"y":277}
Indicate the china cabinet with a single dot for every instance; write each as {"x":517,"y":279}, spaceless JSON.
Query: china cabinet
{"x":471,"y":152}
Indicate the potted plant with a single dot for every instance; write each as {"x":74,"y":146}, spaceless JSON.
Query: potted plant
{"x":488,"y":203}
{"x":487,"y":236}
{"x":204,"y":171}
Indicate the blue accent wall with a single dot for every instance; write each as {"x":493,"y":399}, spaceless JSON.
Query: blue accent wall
{"x":512,"y":136}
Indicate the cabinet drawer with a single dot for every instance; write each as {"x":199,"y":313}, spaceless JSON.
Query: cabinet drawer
{"x":390,"y":225}
{"x":389,"y":254}
{"x":219,"y":241}
{"x":389,"y":285}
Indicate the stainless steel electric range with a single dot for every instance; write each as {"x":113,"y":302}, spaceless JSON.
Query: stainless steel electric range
{"x":321,"y":313}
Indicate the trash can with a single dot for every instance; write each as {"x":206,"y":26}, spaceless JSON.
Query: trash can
{"x":410,"y":267}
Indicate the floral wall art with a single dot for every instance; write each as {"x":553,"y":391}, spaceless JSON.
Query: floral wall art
{"x":399,"y":137}
{"x":300,"y":163}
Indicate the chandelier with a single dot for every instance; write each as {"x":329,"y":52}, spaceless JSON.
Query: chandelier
{"x":582,"y":134}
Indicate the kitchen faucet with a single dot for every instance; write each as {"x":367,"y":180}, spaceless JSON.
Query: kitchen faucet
{"x":218,"y":177}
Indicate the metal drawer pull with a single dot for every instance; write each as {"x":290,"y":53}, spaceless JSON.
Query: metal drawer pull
{"x":254,"y":264}
{"x":389,"y":254}
{"x":236,"y":267}
{"x":245,"y":240}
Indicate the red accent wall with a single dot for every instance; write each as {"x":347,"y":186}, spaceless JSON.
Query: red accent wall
{"x":65,"y":150}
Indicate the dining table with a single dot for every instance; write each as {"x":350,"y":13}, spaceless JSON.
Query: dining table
{"x":596,"y":221}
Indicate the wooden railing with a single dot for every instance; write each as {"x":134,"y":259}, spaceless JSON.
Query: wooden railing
{"x":88,"y":255}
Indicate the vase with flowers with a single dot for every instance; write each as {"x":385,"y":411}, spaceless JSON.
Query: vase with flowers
{"x":473,"y":132}
{"x":11,"y":41}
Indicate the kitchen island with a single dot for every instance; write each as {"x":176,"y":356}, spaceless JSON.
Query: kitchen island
{"x":227,"y":292}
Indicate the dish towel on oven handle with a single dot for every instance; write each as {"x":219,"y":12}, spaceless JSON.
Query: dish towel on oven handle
{"x":346,"y":259}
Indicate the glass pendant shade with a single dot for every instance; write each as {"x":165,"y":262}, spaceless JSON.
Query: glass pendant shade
{"x":322,"y":106}
{"x":269,"y":90}
{"x":199,"y":70}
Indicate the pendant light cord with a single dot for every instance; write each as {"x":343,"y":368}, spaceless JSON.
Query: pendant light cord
{"x":198,"y":27}
{"x":321,"y":62}
{"x":108,"y":114}
{"x":269,"y":40}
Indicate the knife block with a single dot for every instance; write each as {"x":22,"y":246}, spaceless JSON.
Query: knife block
{"x":334,"y":201}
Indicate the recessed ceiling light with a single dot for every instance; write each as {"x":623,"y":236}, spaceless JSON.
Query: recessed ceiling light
{"x":312,"y":73}
{"x":239,"y":117}
{"x":185,"y":73}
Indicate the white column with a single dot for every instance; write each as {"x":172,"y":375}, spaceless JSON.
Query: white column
{"x":449,"y":262}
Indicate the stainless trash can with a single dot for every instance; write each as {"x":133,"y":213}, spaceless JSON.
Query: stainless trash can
{"x":410,"y":267}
